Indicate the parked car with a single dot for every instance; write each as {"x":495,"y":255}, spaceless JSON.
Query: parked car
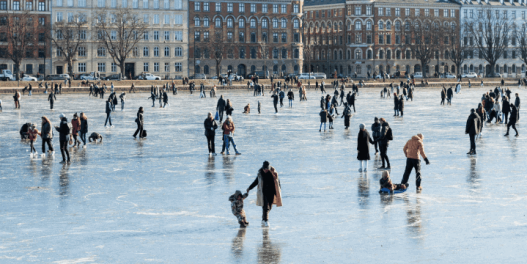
{"x":148,"y":76}
{"x":87,"y":77}
{"x":260,"y":74}
{"x":52,"y":77}
{"x":235,"y":77}
{"x":418,"y":75}
{"x":29,"y":78}
{"x":319,"y":75}
{"x":448,"y":75}
{"x":470,"y":75}
{"x":7,"y":75}
{"x":199,"y":76}
{"x":306,"y":76}
{"x":114,"y":77}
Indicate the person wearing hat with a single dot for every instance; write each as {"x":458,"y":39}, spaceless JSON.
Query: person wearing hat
{"x":269,"y":190}
{"x":32,"y":136}
{"x":413,"y":149}
{"x":472,"y":129}
{"x":64,"y":136}
{"x":363,"y":147}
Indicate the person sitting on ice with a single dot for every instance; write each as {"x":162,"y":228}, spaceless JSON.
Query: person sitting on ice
{"x":386,"y":182}
{"x":94,"y":136}
{"x":237,"y":207}
{"x":247,"y":109}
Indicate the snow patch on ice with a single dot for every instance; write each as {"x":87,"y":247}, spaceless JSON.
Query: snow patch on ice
{"x":182,"y":213}
{"x":74,"y":261}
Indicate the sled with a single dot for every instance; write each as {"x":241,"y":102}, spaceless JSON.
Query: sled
{"x":387,"y":191}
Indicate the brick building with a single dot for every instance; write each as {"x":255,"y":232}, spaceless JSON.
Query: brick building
{"x":262,"y":36}
{"x":38,"y":15}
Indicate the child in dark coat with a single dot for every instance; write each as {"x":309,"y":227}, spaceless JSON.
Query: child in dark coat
{"x":237,"y":207}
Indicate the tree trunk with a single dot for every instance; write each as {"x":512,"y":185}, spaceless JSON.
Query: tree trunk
{"x":70,"y":68}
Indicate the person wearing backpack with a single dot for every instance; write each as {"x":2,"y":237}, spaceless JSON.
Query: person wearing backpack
{"x":282,"y":95}
{"x":384,"y":139}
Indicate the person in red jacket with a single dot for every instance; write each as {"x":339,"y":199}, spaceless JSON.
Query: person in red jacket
{"x":75,"y":127}
{"x":412,"y":150}
{"x":228,"y":135}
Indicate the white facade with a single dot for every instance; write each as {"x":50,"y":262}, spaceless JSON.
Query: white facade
{"x":163,"y":51}
{"x":510,"y":64}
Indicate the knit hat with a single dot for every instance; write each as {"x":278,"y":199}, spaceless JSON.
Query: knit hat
{"x":266,"y":165}
{"x":420,"y":136}
{"x":61,"y":116}
{"x":361,"y":126}
{"x":472,"y":110}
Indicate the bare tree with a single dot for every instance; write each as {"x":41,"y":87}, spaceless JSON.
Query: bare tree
{"x":219,"y":48}
{"x":68,"y":36}
{"x":521,"y":37}
{"x":456,"y":51}
{"x":422,"y":40}
{"x":264,"y":53}
{"x":19,"y":32}
{"x":490,"y":32}
{"x":119,"y":32}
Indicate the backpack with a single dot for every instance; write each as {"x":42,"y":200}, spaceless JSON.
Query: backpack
{"x":144,"y":133}
{"x":389,"y":134}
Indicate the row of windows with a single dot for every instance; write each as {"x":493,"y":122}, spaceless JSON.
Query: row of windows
{"x":206,"y":68}
{"x":264,"y":8}
{"x":102,"y":52}
{"x":369,"y":26}
{"x":178,"y":19}
{"x":254,"y":53}
{"x":101,"y":67}
{"x":41,"y":6}
{"x":178,"y":35}
{"x":176,"y":4}
{"x":241,"y":22}
{"x":253,"y":38}
{"x":382,"y":11}
{"x":504,"y":14}
{"x":41,"y":20}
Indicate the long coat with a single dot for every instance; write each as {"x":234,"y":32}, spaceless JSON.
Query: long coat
{"x":363,"y":145}
{"x":473,"y":124}
{"x":259,"y":194}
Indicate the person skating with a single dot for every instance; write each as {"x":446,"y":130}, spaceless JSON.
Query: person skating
{"x":220,"y":107}
{"x":513,"y":119}
{"x":228,"y":135}
{"x":75,"y":128}
{"x":395,"y":105}
{"x":281,"y":95}
{"x":153,"y":97}
{"x":94,"y":137}
{"x":413,"y":150}
{"x":108,"y":112}
{"x":275,"y":102}
{"x":46,"y":133}
{"x":384,"y":140}
{"x":259,"y":107}
{"x":210,"y":132}
{"x":165,"y":99}
{"x":32,"y":134}
{"x":449,"y":95}
{"x":64,"y":136}
{"x":291,"y":97}
{"x":506,"y":109}
{"x":123,"y":99}
{"x":331,"y":116}
{"x":140,"y":122}
{"x":16,"y":98}
{"x":237,"y":207}
{"x":517,"y":104}
{"x":443,"y":95}
{"x":84,"y":128}
{"x":401,"y":105}
{"x":346,"y":114}
{"x":482,"y":114}
{"x":351,"y":101}
{"x":363,"y":147}
{"x":472,"y":129}
{"x":51,"y":98}
{"x":269,"y":190}
{"x":376,"y":133}
{"x":323,"y":119}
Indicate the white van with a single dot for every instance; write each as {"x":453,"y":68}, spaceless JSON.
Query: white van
{"x":319,"y":75}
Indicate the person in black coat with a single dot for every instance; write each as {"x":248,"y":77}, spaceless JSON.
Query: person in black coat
{"x":505,"y":109}
{"x":376,"y":133}
{"x":449,"y":95}
{"x":210,"y":131}
{"x":275,"y":102}
{"x":109,"y":107}
{"x":384,"y":139}
{"x":401,"y":105}
{"x":395,"y":105}
{"x":512,"y":120}
{"x":443,"y":96}
{"x":363,"y":147}
{"x":472,"y":129}
{"x":352,"y":101}
{"x":140,"y":122}
{"x":51,"y":98}
{"x":517,"y":104}
{"x":65,"y":135}
{"x":220,"y":107}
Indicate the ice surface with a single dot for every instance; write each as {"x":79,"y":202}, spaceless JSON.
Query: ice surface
{"x":164,"y":200}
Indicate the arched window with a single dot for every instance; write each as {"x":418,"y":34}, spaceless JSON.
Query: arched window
{"x":229,"y":68}
{"x":381,"y":54}
{"x":335,"y":54}
{"x":218,"y":22}
{"x":284,"y":68}
{"x":398,"y":55}
{"x":369,"y":54}
{"x":197,"y":22}
{"x":296,"y":23}
{"x":408,"y":55}
{"x":197,"y":69}
{"x":340,"y":54}
{"x":265,"y":23}
{"x":253,"y":53}
{"x":368,"y":25}
{"x":275,"y":23}
{"x":253,"y":23}
{"x":358,"y":25}
{"x":206,"y":69}
{"x":388,"y":25}
{"x":358,"y":55}
{"x":407,"y":27}
{"x":241,"y":23}
{"x":275,"y":53}
{"x":229,"y":22}
{"x":296,"y":54}
{"x":388,"y":54}
{"x":348,"y":54}
{"x":398,"y":25}
{"x":283,"y":23}
{"x":206,"y":22}
{"x":323,"y":54}
{"x":284,"y":53}
{"x":381,"y":25}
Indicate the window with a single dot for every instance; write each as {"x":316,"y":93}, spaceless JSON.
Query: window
{"x":167,"y":35}
{"x":296,"y":8}
{"x":275,"y":23}
{"x":369,"y":39}
{"x":380,"y":11}
{"x":167,"y":67}
{"x":178,"y":35}
{"x":265,"y":23}
{"x":229,"y":36}
{"x":358,"y":25}
{"x":389,"y":39}
{"x":275,"y":37}
{"x":135,"y":3}
{"x":283,"y":9}
{"x":253,"y":23}
{"x":358,"y":38}
{"x":427,"y":12}
{"x":156,"y":35}
{"x":229,"y":22}
{"x":145,"y":35}
{"x":178,"y":20}
{"x":381,"y":39}
{"x":253,"y":37}
{"x":388,"y":11}
{"x":3,"y":5}
{"x":397,"y":39}
{"x":178,"y":67}
{"x":70,"y":17}
{"x":178,"y":52}
{"x":114,"y":67}
{"x":417,"y":12}
{"x":167,"y":19}
{"x":253,"y":8}
{"x":436,"y":12}
{"x":452,"y":13}
{"x":296,"y":23}
{"x":101,"y":67}
{"x":59,"y":16}
{"x":218,"y":7}
{"x":358,"y":10}
{"x":397,"y":12}
{"x":242,"y":53}
{"x":197,"y":6}
{"x":368,"y":10}
{"x":206,"y":36}
{"x":471,"y":13}
{"x":388,"y":25}
{"x":229,"y":7}
{"x":100,"y":3}
{"x":284,"y":37}
{"x":283,"y":23}
{"x":145,"y":67}
{"x":59,"y":2}
{"x":156,"y":66}
{"x":206,"y":7}
{"x":241,"y":37}
{"x":156,"y":4}
{"x":275,"y":9}
{"x":178,"y":4}
{"x":101,"y":52}
{"x":29,"y":5}
{"x":241,"y":8}
{"x":146,"y":52}
{"x":166,"y":4}
{"x":145,"y":4}
{"x":81,"y":67}
{"x":167,"y":52}
{"x":445,"y":12}
{"x":156,"y":19}
{"x":217,"y":23}
{"x":241,"y":23}
{"x":513,"y":14}
{"x":81,"y":52}
{"x":284,"y":54}
{"x":253,"y":53}
{"x":368,"y":25}
{"x":264,"y":8}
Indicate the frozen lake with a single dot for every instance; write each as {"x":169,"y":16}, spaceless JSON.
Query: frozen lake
{"x":163,"y":200}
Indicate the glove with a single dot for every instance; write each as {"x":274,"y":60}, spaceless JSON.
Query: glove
{"x":427,"y":162}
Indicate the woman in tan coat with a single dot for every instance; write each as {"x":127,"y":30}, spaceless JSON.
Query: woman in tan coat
{"x":269,"y":190}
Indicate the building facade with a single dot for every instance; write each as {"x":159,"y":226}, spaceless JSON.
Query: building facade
{"x":260,"y":36}
{"x":509,"y":64}
{"x":37,"y":58}
{"x":163,"y":51}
